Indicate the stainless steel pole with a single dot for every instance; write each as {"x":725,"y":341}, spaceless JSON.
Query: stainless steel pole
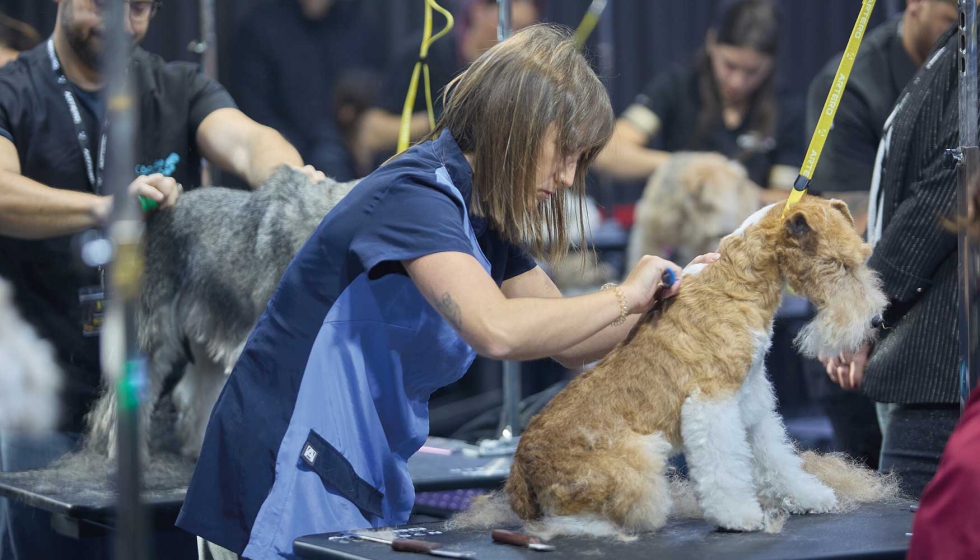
{"x":511,"y":417}
{"x":606,"y":51}
{"x":125,"y":272}
{"x":503,"y":19}
{"x":207,"y":48}
{"x":207,"y":45}
{"x":209,"y":35}
{"x":968,"y":158}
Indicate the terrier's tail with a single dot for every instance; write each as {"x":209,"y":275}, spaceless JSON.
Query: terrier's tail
{"x":512,"y":507}
{"x":852,"y":483}
{"x":491,"y":511}
{"x":522,"y":497}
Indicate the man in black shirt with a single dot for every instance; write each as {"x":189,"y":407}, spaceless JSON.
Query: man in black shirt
{"x":52,"y":132}
{"x":474,"y":33}
{"x":889,"y":58}
{"x":887,"y":61}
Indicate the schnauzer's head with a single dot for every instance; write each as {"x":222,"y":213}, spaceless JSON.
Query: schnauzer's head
{"x":823,"y":259}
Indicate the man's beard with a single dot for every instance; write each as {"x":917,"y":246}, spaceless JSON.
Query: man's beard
{"x":83,"y":47}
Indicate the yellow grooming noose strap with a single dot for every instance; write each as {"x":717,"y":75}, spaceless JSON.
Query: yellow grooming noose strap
{"x":830,"y":107}
{"x":422,"y":66}
{"x":589,"y":22}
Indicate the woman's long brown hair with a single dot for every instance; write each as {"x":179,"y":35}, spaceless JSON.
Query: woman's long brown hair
{"x":745,"y":24}
{"x":500,"y":110}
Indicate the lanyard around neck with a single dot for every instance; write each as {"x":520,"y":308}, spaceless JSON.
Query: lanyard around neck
{"x":94,"y":169}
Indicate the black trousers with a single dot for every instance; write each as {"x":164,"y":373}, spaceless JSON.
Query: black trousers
{"x":914,"y":436}
{"x":855,"y":423}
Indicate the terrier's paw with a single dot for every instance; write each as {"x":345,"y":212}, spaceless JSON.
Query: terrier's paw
{"x":811,"y":497}
{"x":744,"y":518}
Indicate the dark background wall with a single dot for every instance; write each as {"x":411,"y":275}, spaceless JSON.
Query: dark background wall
{"x":641,"y":37}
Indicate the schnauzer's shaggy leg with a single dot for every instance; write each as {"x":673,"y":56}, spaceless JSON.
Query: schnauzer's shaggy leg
{"x":103,"y":418}
{"x":777,"y":468}
{"x":101,"y":424}
{"x":720,"y":461}
{"x":194,"y":397}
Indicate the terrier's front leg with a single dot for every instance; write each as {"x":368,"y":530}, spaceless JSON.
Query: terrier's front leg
{"x":720,"y":462}
{"x":778,"y":470}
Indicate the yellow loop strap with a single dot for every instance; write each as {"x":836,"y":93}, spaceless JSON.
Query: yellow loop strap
{"x":589,"y":22}
{"x":830,"y":107}
{"x":405,"y":132}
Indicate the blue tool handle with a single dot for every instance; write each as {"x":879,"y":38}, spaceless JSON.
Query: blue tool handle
{"x":668,"y":278}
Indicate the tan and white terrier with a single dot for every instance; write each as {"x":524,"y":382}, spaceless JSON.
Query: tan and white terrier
{"x":691,"y":378}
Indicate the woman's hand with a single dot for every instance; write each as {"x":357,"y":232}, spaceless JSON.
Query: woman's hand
{"x":706,"y":258}
{"x":644,"y":282}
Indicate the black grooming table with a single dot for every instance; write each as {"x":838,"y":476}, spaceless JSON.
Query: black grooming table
{"x":870,"y":532}
{"x":88,"y":507}
{"x":85,"y":506}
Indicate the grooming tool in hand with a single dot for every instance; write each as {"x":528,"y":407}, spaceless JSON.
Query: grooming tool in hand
{"x":147,"y":203}
{"x":410,"y":545}
{"x":517,"y":539}
{"x":668,"y":278}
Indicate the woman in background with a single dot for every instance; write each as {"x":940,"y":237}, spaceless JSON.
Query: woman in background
{"x":725,"y":102}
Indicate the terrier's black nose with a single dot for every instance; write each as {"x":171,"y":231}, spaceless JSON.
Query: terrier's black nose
{"x":877,"y":322}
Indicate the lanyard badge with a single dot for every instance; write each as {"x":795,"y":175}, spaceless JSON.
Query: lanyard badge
{"x":91,"y":300}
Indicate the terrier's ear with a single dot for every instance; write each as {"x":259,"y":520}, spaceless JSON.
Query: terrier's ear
{"x":842,"y":208}
{"x":796,"y":225}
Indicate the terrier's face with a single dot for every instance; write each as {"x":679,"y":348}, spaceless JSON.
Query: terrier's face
{"x":822,"y":258}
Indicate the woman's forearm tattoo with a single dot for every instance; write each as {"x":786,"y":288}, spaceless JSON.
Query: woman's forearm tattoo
{"x":450,"y":310}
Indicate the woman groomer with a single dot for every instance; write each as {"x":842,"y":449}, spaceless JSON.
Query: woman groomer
{"x":416,"y":271}
{"x":724,"y":103}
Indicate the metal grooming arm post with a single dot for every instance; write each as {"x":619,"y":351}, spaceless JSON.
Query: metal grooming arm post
{"x":511,"y":419}
{"x":207,"y":47}
{"x":120,"y":352}
{"x":510,"y":414}
{"x":967,"y":157}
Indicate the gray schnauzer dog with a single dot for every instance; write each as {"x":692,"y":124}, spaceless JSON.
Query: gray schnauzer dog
{"x":212,"y":263}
